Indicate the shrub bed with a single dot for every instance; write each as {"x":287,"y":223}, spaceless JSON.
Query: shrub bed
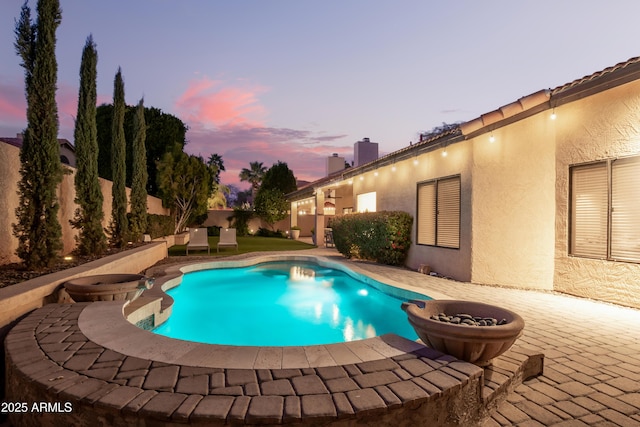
{"x":383,"y":237}
{"x":159,"y":225}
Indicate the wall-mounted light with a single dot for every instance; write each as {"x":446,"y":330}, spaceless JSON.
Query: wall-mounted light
{"x":492,"y":138}
{"x":444,"y":151}
{"x":375,"y":173}
{"x":350,"y":181}
{"x":393,"y":167}
{"x":361,"y":178}
{"x":415,"y":161}
{"x":553,"y":114}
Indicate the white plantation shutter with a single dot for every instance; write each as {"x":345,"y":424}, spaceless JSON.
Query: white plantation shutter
{"x":589,"y":210}
{"x":439,"y":213}
{"x":625,"y":209}
{"x":427,"y":214}
{"x":448,"y":220}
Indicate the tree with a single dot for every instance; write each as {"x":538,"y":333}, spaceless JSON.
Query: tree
{"x":184,"y":183}
{"x":242,"y":197}
{"x":218,"y":191}
{"x":138,"y":223}
{"x":216,"y":164}
{"x":253,"y":175}
{"x":279,"y":177}
{"x":271,"y":205}
{"x":119,"y":224}
{"x":89,"y":198}
{"x":165,"y":134}
{"x":219,"y":196}
{"x":37,"y":229}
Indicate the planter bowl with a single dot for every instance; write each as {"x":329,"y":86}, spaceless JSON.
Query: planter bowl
{"x":108,"y":287}
{"x":475,"y":344}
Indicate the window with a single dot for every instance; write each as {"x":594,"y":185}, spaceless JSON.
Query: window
{"x":439,"y":213}
{"x":605,"y":210}
{"x":366,"y":202}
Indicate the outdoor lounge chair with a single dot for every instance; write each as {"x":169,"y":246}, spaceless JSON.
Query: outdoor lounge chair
{"x":198,"y":239}
{"x":227,"y":238}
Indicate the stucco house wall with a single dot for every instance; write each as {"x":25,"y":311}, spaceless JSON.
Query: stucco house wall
{"x":602,"y":126}
{"x":513,"y":204}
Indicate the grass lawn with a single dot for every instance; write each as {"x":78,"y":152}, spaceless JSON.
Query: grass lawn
{"x":245,"y":245}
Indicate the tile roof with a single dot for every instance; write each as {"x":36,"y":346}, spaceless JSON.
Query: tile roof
{"x":596,"y":75}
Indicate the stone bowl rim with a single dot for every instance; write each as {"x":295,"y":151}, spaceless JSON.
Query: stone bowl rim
{"x":420,"y":317}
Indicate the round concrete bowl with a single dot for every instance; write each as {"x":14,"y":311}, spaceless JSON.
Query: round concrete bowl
{"x":475,"y":344}
{"x":107,"y":287}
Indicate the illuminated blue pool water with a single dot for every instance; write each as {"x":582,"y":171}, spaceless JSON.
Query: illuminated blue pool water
{"x":282,"y":304}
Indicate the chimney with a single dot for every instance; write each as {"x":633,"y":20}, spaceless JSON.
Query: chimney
{"x":365,"y":151}
{"x":334,"y":164}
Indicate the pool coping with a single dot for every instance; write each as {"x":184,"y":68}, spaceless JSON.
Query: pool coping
{"x":71,"y":353}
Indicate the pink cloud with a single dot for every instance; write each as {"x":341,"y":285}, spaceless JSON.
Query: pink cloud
{"x":13,"y":106}
{"x":207,"y":103}
{"x":12,"y":102}
{"x":230,"y":121}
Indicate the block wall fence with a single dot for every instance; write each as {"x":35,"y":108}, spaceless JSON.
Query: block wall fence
{"x":9,"y":178}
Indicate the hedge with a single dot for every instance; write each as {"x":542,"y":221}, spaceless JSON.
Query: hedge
{"x":383,"y":237}
{"x":159,"y":225}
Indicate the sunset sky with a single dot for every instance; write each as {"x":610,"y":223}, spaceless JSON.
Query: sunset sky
{"x":297,"y":80}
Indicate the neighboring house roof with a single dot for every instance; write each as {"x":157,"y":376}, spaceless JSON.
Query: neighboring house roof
{"x":534,"y":103}
{"x":17,"y":142}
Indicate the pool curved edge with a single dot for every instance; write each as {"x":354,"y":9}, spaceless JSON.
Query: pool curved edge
{"x":106,"y":325}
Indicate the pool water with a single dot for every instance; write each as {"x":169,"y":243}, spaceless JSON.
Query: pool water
{"x":282,"y":304}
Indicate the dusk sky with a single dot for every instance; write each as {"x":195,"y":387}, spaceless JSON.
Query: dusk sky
{"x":298,"y":80}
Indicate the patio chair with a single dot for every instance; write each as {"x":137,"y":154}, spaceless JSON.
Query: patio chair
{"x":227,"y":238}
{"x":328,"y":238}
{"x":198,"y":240}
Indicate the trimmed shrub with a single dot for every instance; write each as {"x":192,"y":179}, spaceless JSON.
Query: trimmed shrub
{"x":159,"y":225}
{"x":240,"y":220}
{"x":383,"y":237}
{"x":265,"y":232}
{"x":213,"y":230}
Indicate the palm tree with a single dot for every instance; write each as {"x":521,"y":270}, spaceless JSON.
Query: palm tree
{"x":216,"y":164}
{"x":254,"y":176}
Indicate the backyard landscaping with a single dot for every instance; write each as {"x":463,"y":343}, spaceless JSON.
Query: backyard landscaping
{"x":245,"y":244}
{"x":11,"y":274}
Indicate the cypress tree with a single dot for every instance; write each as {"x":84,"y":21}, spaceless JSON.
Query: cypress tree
{"x":89,"y":215}
{"x":139,"y":181}
{"x":119,"y":224}
{"x":37,"y":229}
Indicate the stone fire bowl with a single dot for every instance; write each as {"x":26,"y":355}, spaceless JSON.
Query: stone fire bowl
{"x":108,"y":287}
{"x":475,"y":344}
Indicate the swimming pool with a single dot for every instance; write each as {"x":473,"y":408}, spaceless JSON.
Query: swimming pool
{"x":283,"y":303}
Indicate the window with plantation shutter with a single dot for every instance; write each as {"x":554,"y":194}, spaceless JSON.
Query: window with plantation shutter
{"x":426,"y":214}
{"x":438,"y":222}
{"x":605,"y":210}
{"x":625,"y":209}
{"x":589,"y":210}
{"x":448,"y":220}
